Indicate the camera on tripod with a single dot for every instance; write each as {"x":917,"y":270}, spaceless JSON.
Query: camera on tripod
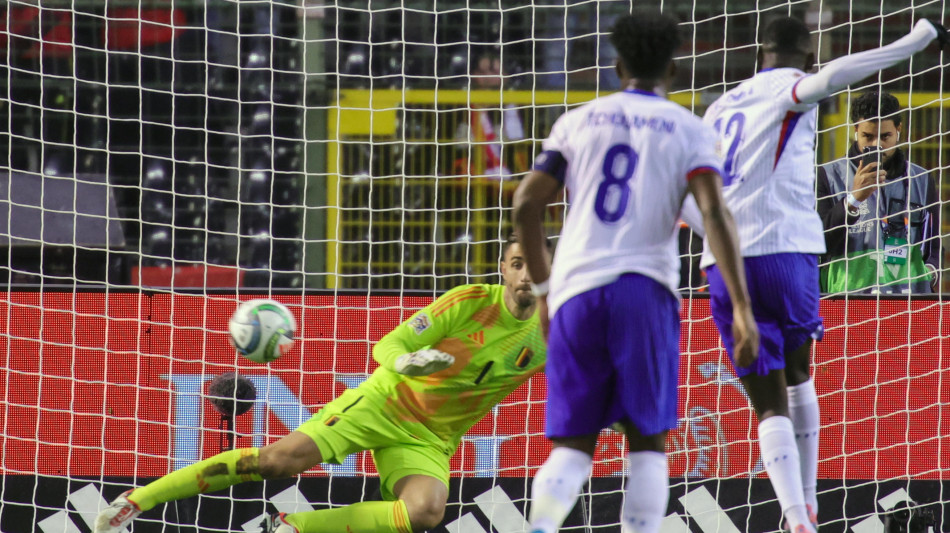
{"x":909,"y":517}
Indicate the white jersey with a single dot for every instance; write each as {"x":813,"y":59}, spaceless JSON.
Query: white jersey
{"x":628,"y":159}
{"x":767,"y":140}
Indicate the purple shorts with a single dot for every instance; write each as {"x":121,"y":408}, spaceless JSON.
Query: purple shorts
{"x":613,"y":354}
{"x":784,"y":292}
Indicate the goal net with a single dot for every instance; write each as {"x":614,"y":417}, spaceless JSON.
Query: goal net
{"x":161,"y":161}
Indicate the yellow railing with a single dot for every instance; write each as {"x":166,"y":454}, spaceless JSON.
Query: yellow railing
{"x":421,"y":180}
{"x":418,"y":195}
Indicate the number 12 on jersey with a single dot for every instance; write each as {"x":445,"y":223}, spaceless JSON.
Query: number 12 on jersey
{"x":613,"y":194}
{"x":733,"y":134}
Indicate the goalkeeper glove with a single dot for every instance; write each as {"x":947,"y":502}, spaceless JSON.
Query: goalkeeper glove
{"x":942,"y":38}
{"x":423,"y":362}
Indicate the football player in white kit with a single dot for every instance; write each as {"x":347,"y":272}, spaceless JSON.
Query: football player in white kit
{"x":627,"y":161}
{"x":766,"y":127}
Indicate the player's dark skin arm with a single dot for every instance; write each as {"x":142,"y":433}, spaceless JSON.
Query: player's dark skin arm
{"x":724,"y":244}
{"x":531,"y":199}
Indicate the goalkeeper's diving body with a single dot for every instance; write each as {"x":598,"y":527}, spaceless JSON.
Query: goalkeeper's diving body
{"x":440,"y":372}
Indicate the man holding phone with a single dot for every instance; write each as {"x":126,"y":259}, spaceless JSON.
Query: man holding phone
{"x":880,"y":211}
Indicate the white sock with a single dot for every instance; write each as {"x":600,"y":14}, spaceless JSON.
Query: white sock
{"x":647,"y":494}
{"x":780,"y":457}
{"x":803,"y":410}
{"x":556,"y":487}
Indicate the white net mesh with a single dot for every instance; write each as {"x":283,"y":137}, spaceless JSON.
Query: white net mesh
{"x":165,"y":159}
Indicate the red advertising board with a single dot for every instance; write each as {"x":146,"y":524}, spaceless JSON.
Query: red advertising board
{"x":110,"y":384}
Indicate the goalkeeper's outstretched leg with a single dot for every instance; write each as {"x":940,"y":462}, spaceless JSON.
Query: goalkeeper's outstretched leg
{"x":419,"y":504}
{"x":287,"y":457}
{"x":432,"y":385}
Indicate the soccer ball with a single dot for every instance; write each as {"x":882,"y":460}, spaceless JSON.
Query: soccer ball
{"x":262,"y":330}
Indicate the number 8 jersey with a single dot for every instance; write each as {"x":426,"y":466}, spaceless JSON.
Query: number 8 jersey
{"x":625,"y":161}
{"x":767,"y":139}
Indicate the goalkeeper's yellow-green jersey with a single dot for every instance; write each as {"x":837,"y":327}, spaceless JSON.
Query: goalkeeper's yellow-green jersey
{"x":494,"y":354}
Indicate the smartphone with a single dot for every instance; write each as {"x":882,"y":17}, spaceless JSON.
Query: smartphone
{"x":871,"y":155}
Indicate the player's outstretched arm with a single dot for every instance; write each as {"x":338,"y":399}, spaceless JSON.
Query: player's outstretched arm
{"x":724,"y":244}
{"x":849,"y":69}
{"x":424,"y":329}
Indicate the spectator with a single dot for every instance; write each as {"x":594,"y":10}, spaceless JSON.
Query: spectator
{"x":881,"y":222}
{"x":487,"y":72}
{"x":489,"y":130}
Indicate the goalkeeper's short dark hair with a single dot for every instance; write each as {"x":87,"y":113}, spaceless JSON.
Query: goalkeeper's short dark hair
{"x":646,"y":40}
{"x":875,"y":105}
{"x":786,"y":35}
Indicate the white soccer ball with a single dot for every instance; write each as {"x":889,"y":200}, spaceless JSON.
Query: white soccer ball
{"x":262,"y":330}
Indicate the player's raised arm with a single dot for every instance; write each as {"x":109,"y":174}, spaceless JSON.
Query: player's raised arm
{"x":849,"y":69}
{"x":720,"y":227}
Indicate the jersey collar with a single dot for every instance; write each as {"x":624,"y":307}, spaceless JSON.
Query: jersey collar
{"x":778,"y":68}
{"x":641,"y":92}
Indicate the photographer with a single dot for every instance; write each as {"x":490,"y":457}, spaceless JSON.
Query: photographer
{"x":880,"y":211}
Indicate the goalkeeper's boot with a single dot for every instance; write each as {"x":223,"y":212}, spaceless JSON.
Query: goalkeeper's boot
{"x":275,"y":523}
{"x":118,"y":515}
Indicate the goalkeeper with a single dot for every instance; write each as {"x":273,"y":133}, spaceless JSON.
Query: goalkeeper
{"x":440,"y":372}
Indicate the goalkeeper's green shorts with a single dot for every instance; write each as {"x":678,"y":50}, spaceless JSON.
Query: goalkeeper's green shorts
{"x":355,"y":422}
